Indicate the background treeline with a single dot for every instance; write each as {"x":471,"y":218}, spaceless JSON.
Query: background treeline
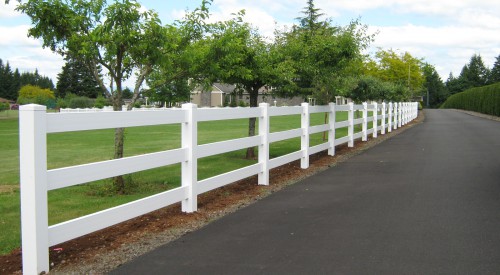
{"x":484,"y":100}
{"x":473,"y":74}
{"x":11,"y":81}
{"x":315,"y":59}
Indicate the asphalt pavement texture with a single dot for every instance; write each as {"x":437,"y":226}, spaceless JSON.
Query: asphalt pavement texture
{"x":426,"y":201}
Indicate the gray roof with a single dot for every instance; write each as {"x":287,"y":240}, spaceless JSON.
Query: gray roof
{"x":225,"y":88}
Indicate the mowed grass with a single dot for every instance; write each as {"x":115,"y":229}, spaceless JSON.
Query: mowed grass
{"x":67,"y":149}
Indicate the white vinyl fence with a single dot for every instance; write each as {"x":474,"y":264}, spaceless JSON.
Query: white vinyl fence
{"x":36,"y":180}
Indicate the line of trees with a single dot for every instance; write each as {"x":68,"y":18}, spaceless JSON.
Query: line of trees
{"x":106,"y":43}
{"x":11,"y":81}
{"x":473,"y":74}
{"x":115,"y":40}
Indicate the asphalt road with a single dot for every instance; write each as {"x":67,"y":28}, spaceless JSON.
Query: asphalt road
{"x":426,"y":201}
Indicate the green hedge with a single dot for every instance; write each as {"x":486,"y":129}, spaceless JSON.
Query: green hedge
{"x":484,"y":100}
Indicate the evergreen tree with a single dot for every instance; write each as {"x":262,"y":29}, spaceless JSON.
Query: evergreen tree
{"x":16,"y":84}
{"x":77,"y":79}
{"x":434,"y":86}
{"x":6,"y":83}
{"x":455,"y":84}
{"x":310,"y":21}
{"x":2,"y":79}
{"x":473,"y":74}
{"x":35,"y":79}
{"x":495,"y":71}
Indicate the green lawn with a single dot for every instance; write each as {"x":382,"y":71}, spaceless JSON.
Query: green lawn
{"x":67,"y":149}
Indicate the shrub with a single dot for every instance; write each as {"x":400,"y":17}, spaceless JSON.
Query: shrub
{"x":100,"y":102}
{"x":4,"y":106}
{"x":34,"y":94}
{"x":137,"y":104}
{"x":484,"y":100}
{"x":61,"y":103}
{"x":81,"y":102}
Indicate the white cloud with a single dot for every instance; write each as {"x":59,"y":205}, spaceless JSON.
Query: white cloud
{"x":27,"y":54}
{"x":16,"y":36}
{"x":47,"y":62}
{"x":8,"y":10}
{"x":447,"y":47}
{"x":428,"y":7}
{"x":254,"y":13}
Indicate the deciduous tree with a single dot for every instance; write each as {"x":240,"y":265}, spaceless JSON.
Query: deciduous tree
{"x":322,"y":55}
{"x":183,"y":59}
{"x":239,"y":55}
{"x":120,"y":37}
{"x":400,"y":69}
{"x":34,"y":94}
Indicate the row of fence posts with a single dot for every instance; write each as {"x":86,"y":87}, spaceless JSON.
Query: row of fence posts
{"x":33,"y":155}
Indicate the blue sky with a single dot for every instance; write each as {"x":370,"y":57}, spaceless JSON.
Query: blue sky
{"x":445,"y":33}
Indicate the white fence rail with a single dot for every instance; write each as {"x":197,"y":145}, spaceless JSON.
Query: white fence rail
{"x":36,"y":180}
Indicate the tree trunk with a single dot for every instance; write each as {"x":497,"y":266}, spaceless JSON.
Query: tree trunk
{"x":118,"y":181}
{"x":325,"y":134}
{"x":251,"y":132}
{"x":254,"y":93}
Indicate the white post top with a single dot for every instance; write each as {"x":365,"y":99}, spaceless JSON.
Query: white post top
{"x":32,"y":107}
{"x":189,"y":105}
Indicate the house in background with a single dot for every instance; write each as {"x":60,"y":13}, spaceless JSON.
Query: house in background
{"x":340,"y":100}
{"x":221,"y":94}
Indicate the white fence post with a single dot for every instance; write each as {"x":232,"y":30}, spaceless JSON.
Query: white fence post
{"x":33,"y":173}
{"x":400,"y":114}
{"x":407,"y":113}
{"x":350,"y":127}
{"x":364,"y":125}
{"x":375,"y":120}
{"x":190,"y":167}
{"x":332,"y":117}
{"x":304,"y":140}
{"x":263,"y":177}
{"x":384,"y":110}
{"x":389,"y":126}
{"x":403,"y":113}
{"x":395,"y":116}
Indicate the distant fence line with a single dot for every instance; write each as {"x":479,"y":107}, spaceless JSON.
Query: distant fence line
{"x":36,"y":180}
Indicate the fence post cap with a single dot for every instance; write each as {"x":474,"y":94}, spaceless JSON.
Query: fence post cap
{"x":189,"y":105}
{"x":32,"y":107}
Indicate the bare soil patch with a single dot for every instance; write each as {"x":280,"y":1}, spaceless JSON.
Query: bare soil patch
{"x":104,"y":250}
{"x":5,"y":189}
